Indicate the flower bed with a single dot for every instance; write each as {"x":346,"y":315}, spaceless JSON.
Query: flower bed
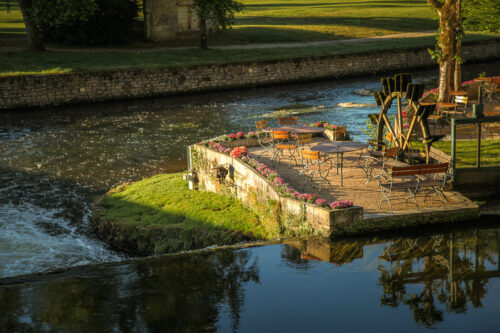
{"x":283,"y":188}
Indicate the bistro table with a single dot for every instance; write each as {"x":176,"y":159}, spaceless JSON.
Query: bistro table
{"x":297,"y":129}
{"x":340,"y":147}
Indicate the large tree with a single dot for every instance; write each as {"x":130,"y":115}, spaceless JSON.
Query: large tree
{"x":35,"y":42}
{"x":475,"y":15}
{"x":219,"y":12}
{"x":449,"y":44}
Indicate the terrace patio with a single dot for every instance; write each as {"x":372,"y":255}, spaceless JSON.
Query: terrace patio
{"x":354,"y":185}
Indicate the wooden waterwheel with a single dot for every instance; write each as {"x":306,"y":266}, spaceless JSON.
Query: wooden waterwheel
{"x":396,"y":89}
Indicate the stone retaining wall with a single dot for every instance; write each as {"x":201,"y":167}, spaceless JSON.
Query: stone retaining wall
{"x":49,"y":90}
{"x":250,"y":187}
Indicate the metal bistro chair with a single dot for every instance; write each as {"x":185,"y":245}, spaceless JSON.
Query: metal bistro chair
{"x":281,"y":140}
{"x":315,"y":164}
{"x":263,"y":137}
{"x":288,"y":120}
{"x":303,"y":141}
{"x":339,"y":133}
{"x":493,"y":89}
{"x":380,"y":163}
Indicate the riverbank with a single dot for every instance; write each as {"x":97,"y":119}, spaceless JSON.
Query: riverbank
{"x":161,"y":215}
{"x":30,"y":91}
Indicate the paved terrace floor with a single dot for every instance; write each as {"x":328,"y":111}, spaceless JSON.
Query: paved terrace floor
{"x":355,"y":188}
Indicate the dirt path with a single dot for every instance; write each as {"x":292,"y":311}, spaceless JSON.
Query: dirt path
{"x":236,"y":47}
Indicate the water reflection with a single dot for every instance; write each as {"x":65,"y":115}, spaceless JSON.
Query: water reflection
{"x":437,"y":280}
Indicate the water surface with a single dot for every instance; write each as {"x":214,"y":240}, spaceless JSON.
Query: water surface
{"x":416,"y":282}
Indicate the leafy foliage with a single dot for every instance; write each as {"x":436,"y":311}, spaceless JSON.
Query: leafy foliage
{"x":220,"y":11}
{"x":482,"y":15}
{"x":84,"y":22}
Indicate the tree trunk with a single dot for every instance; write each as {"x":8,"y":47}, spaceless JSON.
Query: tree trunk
{"x":458,"y":68}
{"x":447,"y":41}
{"x":444,"y":81}
{"x":203,"y":33}
{"x":457,"y":73}
{"x":35,"y":42}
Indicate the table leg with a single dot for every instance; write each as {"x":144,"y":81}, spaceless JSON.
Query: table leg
{"x":341,"y":169}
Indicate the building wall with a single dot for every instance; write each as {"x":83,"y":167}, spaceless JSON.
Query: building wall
{"x":49,"y":90}
{"x":169,"y":19}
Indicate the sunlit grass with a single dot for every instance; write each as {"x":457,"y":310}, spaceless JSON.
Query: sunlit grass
{"x":165,"y":200}
{"x":25,"y":62}
{"x":466,"y":151}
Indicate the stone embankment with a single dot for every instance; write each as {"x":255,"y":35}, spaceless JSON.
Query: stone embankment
{"x":31,"y":91}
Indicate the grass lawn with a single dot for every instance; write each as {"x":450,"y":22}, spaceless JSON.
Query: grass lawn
{"x":467,"y":151}
{"x":263,"y":21}
{"x":11,"y":20}
{"x":25,"y":62}
{"x":181,"y":219}
{"x":268,"y":21}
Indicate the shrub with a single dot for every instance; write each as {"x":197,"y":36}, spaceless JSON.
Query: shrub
{"x":85,"y":22}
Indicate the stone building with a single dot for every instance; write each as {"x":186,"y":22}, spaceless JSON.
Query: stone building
{"x":169,"y":19}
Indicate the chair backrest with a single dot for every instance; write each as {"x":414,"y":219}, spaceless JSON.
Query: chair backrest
{"x":260,"y":124}
{"x":391,"y":152}
{"x":303,"y":139}
{"x":280,"y":135}
{"x":420,"y":169}
{"x":311,"y":155}
{"x":461,"y":99}
{"x":288,"y":120}
{"x":434,"y":168}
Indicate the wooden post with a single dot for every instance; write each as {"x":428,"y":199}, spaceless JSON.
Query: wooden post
{"x":400,"y":122}
{"x":477,"y":111}
{"x":453,"y":147}
{"x":478,"y":156}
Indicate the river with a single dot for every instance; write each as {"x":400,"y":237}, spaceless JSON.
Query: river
{"x":435,"y":279}
{"x":53,"y":162}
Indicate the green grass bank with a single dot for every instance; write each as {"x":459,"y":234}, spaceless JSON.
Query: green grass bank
{"x":161,"y":215}
{"x":466,"y":151}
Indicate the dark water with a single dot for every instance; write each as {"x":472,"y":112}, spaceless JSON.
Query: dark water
{"x":434,"y":280}
{"x":54,"y":162}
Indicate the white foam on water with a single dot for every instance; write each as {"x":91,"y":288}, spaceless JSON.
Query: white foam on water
{"x":28,"y":245}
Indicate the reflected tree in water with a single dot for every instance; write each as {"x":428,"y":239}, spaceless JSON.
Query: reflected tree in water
{"x":449,"y":271}
{"x":177,"y":294}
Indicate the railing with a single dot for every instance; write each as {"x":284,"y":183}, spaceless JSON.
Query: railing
{"x":479,"y":122}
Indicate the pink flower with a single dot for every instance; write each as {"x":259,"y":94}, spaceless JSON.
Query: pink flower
{"x":321,"y":203}
{"x":341,"y":204}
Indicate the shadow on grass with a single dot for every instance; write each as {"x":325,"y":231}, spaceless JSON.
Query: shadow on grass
{"x":156,"y":231}
{"x":403,"y":24}
{"x":370,"y":4}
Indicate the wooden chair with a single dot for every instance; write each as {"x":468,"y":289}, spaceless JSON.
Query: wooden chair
{"x":493,"y":89}
{"x":288,"y":120}
{"x":315,"y":164}
{"x":388,"y":159}
{"x":281,"y":140}
{"x":339,"y":133}
{"x":263,"y":136}
{"x":303,"y":141}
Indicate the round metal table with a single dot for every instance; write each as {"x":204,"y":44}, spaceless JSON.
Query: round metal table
{"x":297,"y":129}
{"x":340,"y":147}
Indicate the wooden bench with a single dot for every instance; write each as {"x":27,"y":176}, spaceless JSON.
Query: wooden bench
{"x":420,"y":179}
